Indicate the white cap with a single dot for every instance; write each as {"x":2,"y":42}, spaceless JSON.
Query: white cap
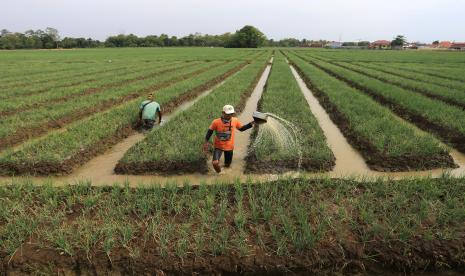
{"x":228,"y":109}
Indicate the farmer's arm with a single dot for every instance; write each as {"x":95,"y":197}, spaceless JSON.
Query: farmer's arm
{"x":159,"y":115}
{"x":241,"y":127}
{"x":210,"y":130}
{"x":208,"y":135}
{"x":140,"y":110}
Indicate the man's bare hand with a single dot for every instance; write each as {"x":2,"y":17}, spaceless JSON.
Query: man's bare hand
{"x":206,"y":147}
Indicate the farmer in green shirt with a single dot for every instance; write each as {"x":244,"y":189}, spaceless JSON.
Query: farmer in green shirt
{"x":148,"y":110}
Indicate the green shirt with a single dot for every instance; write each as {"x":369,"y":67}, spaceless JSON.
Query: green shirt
{"x":150,"y":110}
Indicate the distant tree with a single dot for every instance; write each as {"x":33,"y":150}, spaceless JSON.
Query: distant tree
{"x":349,"y":44}
{"x":436,"y":42}
{"x":53,"y":35}
{"x":363,"y":43}
{"x":247,"y":37}
{"x":399,"y":40}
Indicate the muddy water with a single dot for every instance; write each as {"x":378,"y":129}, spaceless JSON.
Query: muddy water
{"x":348,"y":160}
{"x":242,"y":139}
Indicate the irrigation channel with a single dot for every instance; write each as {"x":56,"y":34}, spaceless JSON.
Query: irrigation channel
{"x":349,"y":162}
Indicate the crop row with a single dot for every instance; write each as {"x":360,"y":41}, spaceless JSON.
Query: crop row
{"x":446,"y":121}
{"x":305,"y":147}
{"x":448,"y":95}
{"x":61,"y":152}
{"x":35,"y":83}
{"x":303,"y":226}
{"x":386,"y":142}
{"x":56,"y":96}
{"x":446,"y":72}
{"x":64,"y":67}
{"x":176,"y":147}
{"x":416,"y":76}
{"x":93,"y":75}
{"x":42,"y":69}
{"x":28,"y":124}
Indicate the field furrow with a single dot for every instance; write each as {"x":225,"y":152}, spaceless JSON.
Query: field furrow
{"x":447,"y":122}
{"x":283,"y":97}
{"x":386,"y":142}
{"x":176,"y":147}
{"x":60,"y":153}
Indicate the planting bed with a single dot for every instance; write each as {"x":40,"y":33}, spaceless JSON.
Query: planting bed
{"x":283,"y":97}
{"x":386,"y":142}
{"x":300,"y":226}
{"x":447,"y":122}
{"x":19,"y":127}
{"x":403,"y":72}
{"x":61,"y":152}
{"x":447,"y":95}
{"x":176,"y":147}
{"x":82,"y":88}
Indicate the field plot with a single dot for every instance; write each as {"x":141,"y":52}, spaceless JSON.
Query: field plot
{"x":406,"y":73}
{"x":175,"y":148}
{"x":302,"y":226}
{"x":21,"y":126}
{"x":283,"y":97}
{"x":83,"y":87}
{"x":95,"y":114}
{"x":441,"y":92}
{"x":444,"y":120}
{"x":61,"y":152}
{"x":386,"y":142}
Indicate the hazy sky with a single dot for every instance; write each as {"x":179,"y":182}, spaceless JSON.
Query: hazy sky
{"x":348,"y":20}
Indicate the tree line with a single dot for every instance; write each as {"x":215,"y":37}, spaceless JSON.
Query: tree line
{"x":246,"y":37}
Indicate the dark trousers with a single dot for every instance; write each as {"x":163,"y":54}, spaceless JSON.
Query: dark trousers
{"x":228,"y":155}
{"x":147,"y":124}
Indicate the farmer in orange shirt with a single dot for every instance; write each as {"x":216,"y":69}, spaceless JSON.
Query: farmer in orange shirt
{"x":224,"y":139}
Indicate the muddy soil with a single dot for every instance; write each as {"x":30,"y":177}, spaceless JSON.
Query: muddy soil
{"x":327,"y":257}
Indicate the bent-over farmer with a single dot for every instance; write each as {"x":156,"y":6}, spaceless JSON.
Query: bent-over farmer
{"x":148,"y":110}
{"x":224,"y":138}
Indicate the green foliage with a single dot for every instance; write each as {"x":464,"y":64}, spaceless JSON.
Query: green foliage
{"x":399,"y":40}
{"x":305,"y":216}
{"x":247,"y":37}
{"x":283,"y":97}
